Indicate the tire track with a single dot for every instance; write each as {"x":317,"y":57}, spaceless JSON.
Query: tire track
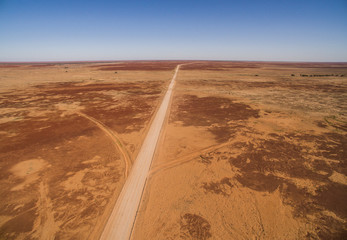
{"x":115,"y":139}
{"x":185,"y":159}
{"x":121,"y":221}
{"x":48,"y":227}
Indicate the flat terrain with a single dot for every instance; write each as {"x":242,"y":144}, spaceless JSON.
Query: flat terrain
{"x":249,"y":150}
{"x":121,"y":221}
{"x":69,"y":135}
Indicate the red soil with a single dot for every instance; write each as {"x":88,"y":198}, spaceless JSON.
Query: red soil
{"x":140,"y":66}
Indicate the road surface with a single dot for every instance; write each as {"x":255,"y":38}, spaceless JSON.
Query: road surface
{"x":120,"y":223}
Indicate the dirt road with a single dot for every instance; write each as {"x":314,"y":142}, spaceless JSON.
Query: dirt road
{"x":120,"y":223}
{"x":115,"y":139}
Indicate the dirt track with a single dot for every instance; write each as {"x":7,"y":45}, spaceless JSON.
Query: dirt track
{"x":120,"y":223}
{"x":117,"y":141}
{"x":250,"y":150}
{"x":51,"y":158}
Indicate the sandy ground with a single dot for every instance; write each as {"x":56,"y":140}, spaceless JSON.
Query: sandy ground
{"x":121,"y":221}
{"x":251,"y":151}
{"x":69,"y":134}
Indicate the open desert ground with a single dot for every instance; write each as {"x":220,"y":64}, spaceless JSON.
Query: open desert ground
{"x":69,"y":134}
{"x":248,"y":150}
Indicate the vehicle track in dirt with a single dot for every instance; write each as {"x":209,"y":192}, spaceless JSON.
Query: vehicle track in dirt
{"x":115,"y":139}
{"x":122,"y":218}
{"x":47,"y":223}
{"x":185,"y":159}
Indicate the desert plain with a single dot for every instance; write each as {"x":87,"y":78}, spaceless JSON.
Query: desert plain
{"x":248,"y":150}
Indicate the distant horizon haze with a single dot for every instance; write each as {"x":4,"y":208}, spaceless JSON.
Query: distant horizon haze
{"x":161,"y":60}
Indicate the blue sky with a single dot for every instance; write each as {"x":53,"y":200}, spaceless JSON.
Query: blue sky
{"x":276,"y":30}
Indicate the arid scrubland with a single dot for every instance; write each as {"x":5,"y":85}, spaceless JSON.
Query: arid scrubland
{"x":249,"y":150}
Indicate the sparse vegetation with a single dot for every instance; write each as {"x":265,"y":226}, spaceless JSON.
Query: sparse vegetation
{"x":242,"y":157}
{"x":194,"y":227}
{"x":321,"y":75}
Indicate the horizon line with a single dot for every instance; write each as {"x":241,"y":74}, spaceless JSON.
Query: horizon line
{"x":162,"y":60}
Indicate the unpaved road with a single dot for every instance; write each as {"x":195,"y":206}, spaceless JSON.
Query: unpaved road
{"x":115,"y":139}
{"x":120,"y":223}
